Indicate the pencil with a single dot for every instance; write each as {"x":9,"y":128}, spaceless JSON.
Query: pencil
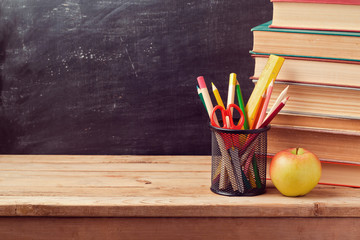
{"x":201,"y":97}
{"x":272,"y":114}
{"x":217,"y":95}
{"x":258,"y":112}
{"x":231,"y":90}
{"x":278,"y":100}
{"x":241,"y":104}
{"x":256,"y":172}
{"x":234,"y":154}
{"x":206,"y":96}
{"x":266,"y":104}
{"x":226,"y":166}
{"x":266,"y":122}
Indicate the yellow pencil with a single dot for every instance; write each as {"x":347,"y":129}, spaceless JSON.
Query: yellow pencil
{"x":231,"y":90}
{"x":217,"y":95}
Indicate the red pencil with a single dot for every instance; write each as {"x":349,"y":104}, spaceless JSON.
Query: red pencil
{"x":266,"y":122}
{"x":272,"y":114}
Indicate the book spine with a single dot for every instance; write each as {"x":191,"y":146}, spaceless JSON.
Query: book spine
{"x":308,"y":58}
{"x":314,"y":29}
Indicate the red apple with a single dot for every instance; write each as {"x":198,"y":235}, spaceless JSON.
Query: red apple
{"x":295,"y":171}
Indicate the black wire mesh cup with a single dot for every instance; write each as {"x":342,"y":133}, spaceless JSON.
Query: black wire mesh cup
{"x":238,"y":166}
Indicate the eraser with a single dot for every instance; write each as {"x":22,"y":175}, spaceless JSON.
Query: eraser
{"x":201,"y":82}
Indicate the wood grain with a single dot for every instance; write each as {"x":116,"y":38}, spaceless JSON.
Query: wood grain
{"x":145,"y":186}
{"x":178,"y":228}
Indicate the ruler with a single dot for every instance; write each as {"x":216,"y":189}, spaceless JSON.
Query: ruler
{"x":269,"y":73}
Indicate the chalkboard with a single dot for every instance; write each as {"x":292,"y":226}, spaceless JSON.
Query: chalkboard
{"x":118,"y":76}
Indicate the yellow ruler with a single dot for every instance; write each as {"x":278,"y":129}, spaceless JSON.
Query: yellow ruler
{"x":269,"y":73}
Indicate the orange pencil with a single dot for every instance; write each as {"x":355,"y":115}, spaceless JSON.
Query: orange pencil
{"x":257,"y":116}
{"x":266,"y":104}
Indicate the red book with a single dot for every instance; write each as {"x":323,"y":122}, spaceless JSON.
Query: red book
{"x":337,"y":15}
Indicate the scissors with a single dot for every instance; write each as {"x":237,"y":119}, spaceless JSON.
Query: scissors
{"x":228,"y":121}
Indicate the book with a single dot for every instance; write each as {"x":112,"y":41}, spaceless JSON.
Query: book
{"x":306,"y":43}
{"x":319,"y":100}
{"x":288,"y":119}
{"x":334,"y":173}
{"x":339,"y":15}
{"x":313,"y":70}
{"x":327,"y":144}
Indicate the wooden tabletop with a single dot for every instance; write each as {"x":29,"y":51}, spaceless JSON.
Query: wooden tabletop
{"x":146,"y":186}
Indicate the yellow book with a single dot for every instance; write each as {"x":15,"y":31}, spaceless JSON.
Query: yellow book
{"x":269,"y":74}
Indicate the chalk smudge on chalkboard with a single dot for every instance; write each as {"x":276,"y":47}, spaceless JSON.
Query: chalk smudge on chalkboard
{"x":117,"y":76}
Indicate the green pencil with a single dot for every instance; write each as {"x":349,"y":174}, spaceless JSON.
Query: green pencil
{"x":201,"y":97}
{"x":241,"y":105}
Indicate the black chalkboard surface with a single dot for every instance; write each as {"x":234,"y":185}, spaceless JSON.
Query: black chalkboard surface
{"x":118,"y":76}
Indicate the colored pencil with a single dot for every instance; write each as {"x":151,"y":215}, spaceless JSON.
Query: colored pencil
{"x":217,"y":95}
{"x":231,"y":90}
{"x":241,"y":104}
{"x":226,"y":165}
{"x":266,"y":122}
{"x":206,"y":96}
{"x":234,"y":154}
{"x":258,"y":112}
{"x":266,"y":104}
{"x":201,"y":97}
{"x":272,"y":114}
{"x":278,"y":100}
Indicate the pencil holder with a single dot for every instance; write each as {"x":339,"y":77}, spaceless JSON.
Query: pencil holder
{"x":238,"y":166}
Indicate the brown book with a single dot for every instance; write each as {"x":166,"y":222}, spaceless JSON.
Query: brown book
{"x":317,"y":122}
{"x":317,"y":14}
{"x":313,"y":71}
{"x":335,"y":173}
{"x":327,"y":144}
{"x":306,"y":43}
{"x":319,"y":100}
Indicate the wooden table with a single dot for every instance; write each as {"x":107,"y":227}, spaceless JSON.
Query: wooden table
{"x":156,"y":197}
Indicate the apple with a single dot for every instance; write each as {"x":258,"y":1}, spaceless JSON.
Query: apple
{"x":295,"y":171}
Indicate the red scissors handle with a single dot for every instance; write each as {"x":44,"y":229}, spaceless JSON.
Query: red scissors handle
{"x":226,"y":113}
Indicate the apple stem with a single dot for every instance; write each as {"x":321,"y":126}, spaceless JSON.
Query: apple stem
{"x":297,"y":149}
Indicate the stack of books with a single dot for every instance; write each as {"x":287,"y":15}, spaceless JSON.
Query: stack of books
{"x":320,"y":41}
